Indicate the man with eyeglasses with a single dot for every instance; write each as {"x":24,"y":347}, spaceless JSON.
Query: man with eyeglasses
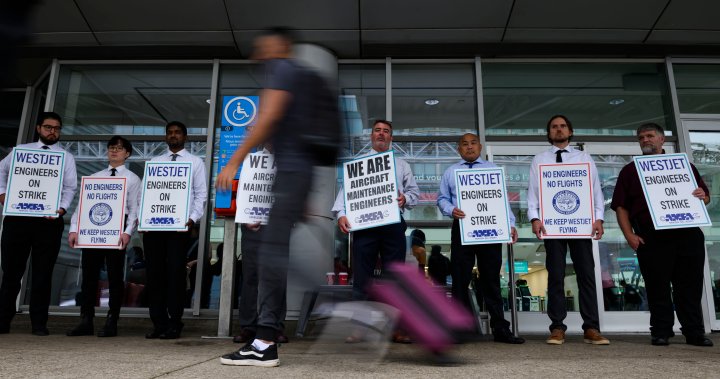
{"x":39,"y":235}
{"x":166,"y":251}
{"x":118,"y":150}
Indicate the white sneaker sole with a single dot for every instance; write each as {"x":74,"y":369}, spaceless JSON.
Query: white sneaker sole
{"x":555,"y":342}
{"x":605,"y":342}
{"x":250,"y":362}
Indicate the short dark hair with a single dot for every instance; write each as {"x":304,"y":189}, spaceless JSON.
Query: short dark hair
{"x":120,"y":140}
{"x":567,"y":121}
{"x":48,"y":115}
{"x":650,"y":126}
{"x":178,"y":124}
{"x":283,"y":32}
{"x":381,"y":121}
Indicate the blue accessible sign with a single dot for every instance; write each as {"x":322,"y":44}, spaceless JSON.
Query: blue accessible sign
{"x":239,"y":114}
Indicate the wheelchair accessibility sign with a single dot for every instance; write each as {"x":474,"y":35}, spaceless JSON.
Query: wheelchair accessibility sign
{"x":239,"y":111}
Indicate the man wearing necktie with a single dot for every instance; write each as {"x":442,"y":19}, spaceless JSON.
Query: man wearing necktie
{"x":39,"y":236}
{"x":166,"y":251}
{"x":559,"y":133}
{"x":462,"y":257}
{"x":118,"y":150}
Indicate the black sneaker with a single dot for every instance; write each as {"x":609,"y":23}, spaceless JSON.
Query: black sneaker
{"x":248,"y":355}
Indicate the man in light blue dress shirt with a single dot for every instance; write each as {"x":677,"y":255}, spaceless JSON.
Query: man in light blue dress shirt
{"x":462,"y":257}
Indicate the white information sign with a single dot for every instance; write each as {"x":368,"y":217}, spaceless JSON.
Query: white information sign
{"x":254,"y":194}
{"x":370,"y":191}
{"x":566,"y":200}
{"x":101,"y":212}
{"x":481,"y":194}
{"x":34,"y":183}
{"x":668,"y":183}
{"x":165,"y":196}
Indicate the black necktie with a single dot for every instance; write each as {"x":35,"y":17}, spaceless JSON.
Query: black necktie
{"x":174,"y":157}
{"x":46,"y":147}
{"x":558,"y":155}
{"x":470,"y":164}
{"x":113,"y":171}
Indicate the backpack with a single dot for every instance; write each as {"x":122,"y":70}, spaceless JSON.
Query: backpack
{"x":323,"y":129}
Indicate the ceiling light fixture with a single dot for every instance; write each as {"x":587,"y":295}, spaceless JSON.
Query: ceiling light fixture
{"x":432,"y":102}
{"x":616,"y":101}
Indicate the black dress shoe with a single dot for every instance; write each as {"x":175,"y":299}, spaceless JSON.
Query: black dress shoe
{"x":245,"y":336}
{"x":154,"y":334}
{"x":660,"y":341}
{"x":110,"y":328}
{"x":170,"y":334}
{"x":280,"y":337}
{"x":508,"y":337}
{"x":699,"y":341}
{"x":40,"y":331}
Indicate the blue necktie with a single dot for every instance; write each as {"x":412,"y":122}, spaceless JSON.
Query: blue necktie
{"x":470,"y":164}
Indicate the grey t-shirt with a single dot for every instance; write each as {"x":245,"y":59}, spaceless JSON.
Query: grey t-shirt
{"x":288,"y":75}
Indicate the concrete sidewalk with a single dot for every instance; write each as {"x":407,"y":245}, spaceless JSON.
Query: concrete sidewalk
{"x":130,"y":355}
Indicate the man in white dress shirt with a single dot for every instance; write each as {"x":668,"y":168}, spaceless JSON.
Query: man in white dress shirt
{"x":39,"y":235}
{"x":118,"y":150}
{"x":559,"y":133}
{"x":166,"y":251}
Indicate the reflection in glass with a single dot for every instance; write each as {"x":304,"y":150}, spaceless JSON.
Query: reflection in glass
{"x":698,"y":87}
{"x":132,"y":100}
{"x":600,"y":99}
{"x":434,"y":99}
{"x":706,"y":157}
{"x":11,"y":107}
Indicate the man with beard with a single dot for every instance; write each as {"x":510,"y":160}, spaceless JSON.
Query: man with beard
{"x":559,"y":133}
{"x":39,"y":236}
{"x":166,"y":251}
{"x":671,"y":260}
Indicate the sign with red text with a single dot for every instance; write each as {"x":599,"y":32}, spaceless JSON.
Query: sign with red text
{"x":566,"y":200}
{"x":101,"y":212}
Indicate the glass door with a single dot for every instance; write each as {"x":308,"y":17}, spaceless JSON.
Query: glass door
{"x":704,"y":143}
{"x":620,"y":287}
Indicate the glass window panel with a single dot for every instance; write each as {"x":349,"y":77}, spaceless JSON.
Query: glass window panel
{"x":706,"y":157}
{"x":362,"y":101}
{"x":434,"y":99}
{"x":11,"y":108}
{"x":698,"y":87}
{"x":132,"y":100}
{"x":600,"y":99}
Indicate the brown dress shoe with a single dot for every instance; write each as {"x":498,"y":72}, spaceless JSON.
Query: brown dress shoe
{"x":593,"y":336}
{"x":557,"y":337}
{"x":245,"y":336}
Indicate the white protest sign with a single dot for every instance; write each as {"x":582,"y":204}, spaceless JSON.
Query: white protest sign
{"x":668,"y":183}
{"x":101,"y":212}
{"x":566,"y":200}
{"x":254,"y":194}
{"x":165,"y":196}
{"x":482,"y":196}
{"x":34,"y":183}
{"x":370,"y":191}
